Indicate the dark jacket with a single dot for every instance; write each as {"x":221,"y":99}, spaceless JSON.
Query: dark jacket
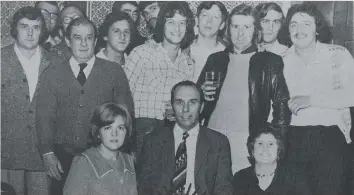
{"x":287,"y":180}
{"x":19,"y":143}
{"x":155,"y":166}
{"x":266,"y":83}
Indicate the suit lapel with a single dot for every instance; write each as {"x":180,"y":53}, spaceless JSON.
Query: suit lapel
{"x":203,"y":146}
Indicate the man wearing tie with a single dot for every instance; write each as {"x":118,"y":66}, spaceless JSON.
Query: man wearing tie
{"x":174,"y":159}
{"x":69,"y":94}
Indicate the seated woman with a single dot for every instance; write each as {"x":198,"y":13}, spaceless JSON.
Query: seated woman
{"x":267,"y":175}
{"x":104,"y":169}
{"x":116,"y":33}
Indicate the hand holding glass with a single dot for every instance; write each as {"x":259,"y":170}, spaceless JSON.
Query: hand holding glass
{"x":212,"y":82}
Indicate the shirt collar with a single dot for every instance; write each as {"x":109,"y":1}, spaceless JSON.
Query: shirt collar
{"x":20,"y":56}
{"x":73,"y":61}
{"x":165,"y":51}
{"x":193,"y":132}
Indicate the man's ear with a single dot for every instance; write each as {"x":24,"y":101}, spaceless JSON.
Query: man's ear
{"x":67,"y":41}
{"x":105,"y":38}
{"x":222,"y":25}
{"x":95,"y":42}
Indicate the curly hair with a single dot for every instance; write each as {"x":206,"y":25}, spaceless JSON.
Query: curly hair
{"x":323,"y":32}
{"x":31,"y":13}
{"x":168,"y":11}
{"x":267,"y":129}
{"x":104,"y":115}
{"x":245,"y":10}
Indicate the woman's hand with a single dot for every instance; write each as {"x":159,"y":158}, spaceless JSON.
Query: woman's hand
{"x":297,"y":103}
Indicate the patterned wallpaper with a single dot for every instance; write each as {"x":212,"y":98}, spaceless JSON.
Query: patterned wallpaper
{"x":96,"y":10}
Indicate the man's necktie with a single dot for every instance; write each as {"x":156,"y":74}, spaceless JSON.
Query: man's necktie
{"x":180,"y":174}
{"x":81,"y":76}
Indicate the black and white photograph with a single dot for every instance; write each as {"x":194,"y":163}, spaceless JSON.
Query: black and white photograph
{"x":177,"y":97}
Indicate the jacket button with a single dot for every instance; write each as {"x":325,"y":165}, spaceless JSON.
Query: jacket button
{"x":80,"y":106}
{"x":82,"y":91}
{"x":24,"y":80}
{"x":77,"y":138}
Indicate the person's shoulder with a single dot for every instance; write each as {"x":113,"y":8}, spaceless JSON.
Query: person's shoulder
{"x":7,"y":49}
{"x":108,"y":66}
{"x":7,"y":56}
{"x":214,"y":135}
{"x":332,"y":47}
{"x":147,"y":47}
{"x":246,"y":172}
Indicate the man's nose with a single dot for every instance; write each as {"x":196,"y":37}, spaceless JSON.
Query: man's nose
{"x":84,"y":42}
{"x":30,"y":31}
{"x":186,"y":108}
{"x":114,"y":132}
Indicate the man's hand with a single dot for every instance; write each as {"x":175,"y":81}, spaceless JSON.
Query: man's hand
{"x":53,"y":166}
{"x":297,"y":103}
{"x":209,"y":90}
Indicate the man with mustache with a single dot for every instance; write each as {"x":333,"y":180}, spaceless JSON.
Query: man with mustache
{"x":150,"y":10}
{"x":272,"y":18}
{"x":320,"y":78}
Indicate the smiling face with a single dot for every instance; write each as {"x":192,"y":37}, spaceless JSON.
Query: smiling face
{"x":302,"y":30}
{"x":118,"y":37}
{"x":271,"y":24}
{"x":187,"y":106}
{"x":210,"y":21}
{"x":241,"y":31}
{"x":113,"y":135}
{"x":131,"y":10}
{"x":82,"y":42}
{"x":265,"y":149}
{"x":175,"y":29}
{"x":28,"y":33}
{"x":150,"y":14}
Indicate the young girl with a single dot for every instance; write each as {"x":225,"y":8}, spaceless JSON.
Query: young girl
{"x":104,"y":169}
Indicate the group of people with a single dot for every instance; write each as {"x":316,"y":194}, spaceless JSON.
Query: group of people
{"x":83,"y":110}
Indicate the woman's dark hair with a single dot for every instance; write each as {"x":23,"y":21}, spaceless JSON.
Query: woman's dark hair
{"x":245,"y":10}
{"x":31,"y":13}
{"x":278,"y":134}
{"x":105,"y":115}
{"x":168,"y":11}
{"x":324,"y":34}
{"x":109,"y":20}
{"x":207,"y":6}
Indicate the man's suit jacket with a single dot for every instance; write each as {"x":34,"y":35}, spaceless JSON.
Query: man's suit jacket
{"x":19,"y":143}
{"x":155,"y":166}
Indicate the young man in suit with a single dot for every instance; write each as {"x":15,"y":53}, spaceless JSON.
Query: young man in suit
{"x":23,"y":66}
{"x":71,"y":90}
{"x":174,"y":158}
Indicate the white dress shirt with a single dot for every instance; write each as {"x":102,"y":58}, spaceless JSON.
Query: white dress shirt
{"x":76,"y":68}
{"x":30,"y":67}
{"x":191,"y":144}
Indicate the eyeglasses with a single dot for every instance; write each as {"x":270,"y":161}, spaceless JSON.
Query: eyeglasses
{"x":68,"y":19}
{"x":48,"y":15}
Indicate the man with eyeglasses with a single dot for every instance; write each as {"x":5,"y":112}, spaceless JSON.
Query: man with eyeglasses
{"x":272,"y":17}
{"x":66,"y":15}
{"x":50,"y":10}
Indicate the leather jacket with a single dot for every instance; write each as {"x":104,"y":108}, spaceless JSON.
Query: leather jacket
{"x":266,"y":85}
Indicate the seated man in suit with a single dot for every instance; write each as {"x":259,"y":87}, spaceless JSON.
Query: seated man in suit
{"x":187,"y":155}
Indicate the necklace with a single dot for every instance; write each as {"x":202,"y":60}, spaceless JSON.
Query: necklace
{"x":261,"y":175}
